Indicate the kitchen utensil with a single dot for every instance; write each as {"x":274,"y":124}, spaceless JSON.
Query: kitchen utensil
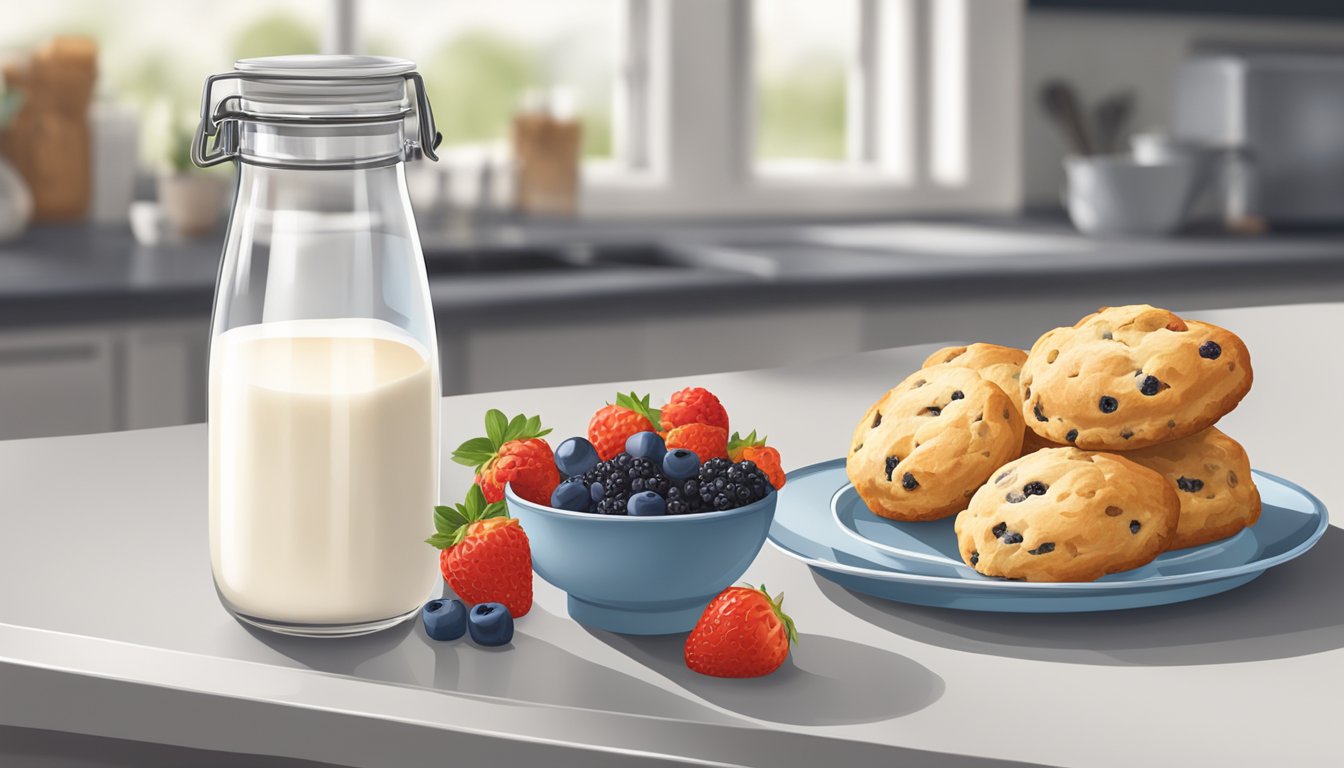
{"x":642,"y":575}
{"x":1062,"y":105}
{"x":115,"y":134}
{"x":48,"y":141}
{"x":1112,"y":115}
{"x":1280,"y":109}
{"x":324,"y":374}
{"x":1291,"y":522}
{"x":1208,"y":201}
{"x":1115,"y":195}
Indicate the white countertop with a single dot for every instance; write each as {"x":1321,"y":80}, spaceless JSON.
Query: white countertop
{"x":109,"y":624}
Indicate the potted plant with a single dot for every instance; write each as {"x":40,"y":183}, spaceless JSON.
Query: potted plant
{"x":191,"y":199}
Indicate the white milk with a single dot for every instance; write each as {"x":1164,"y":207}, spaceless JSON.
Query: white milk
{"x":323,"y":470}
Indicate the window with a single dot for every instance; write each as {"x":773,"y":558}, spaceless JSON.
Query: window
{"x":803,"y":54}
{"x":154,"y":54}
{"x":481,"y":61}
{"x":711,"y":107}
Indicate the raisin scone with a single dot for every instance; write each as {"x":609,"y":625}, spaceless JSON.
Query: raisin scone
{"x":921,"y":451}
{"x":1065,"y":514}
{"x":1130,"y":377}
{"x":1212,"y":477}
{"x":1001,"y":365}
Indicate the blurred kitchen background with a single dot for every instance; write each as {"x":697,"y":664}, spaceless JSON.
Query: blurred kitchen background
{"x":710,"y":184}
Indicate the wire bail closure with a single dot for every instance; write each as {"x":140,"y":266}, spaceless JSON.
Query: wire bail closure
{"x":221,"y":123}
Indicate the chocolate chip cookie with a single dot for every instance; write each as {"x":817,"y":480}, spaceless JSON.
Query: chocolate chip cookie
{"x":920,"y":452}
{"x":1064,"y":514}
{"x":1212,"y":477}
{"x":1001,"y":365}
{"x":1130,"y":377}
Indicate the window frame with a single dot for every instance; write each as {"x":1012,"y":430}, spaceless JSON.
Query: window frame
{"x":694,"y":57}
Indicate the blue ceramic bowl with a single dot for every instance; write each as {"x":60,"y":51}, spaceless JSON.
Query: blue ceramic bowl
{"x":642,"y":575}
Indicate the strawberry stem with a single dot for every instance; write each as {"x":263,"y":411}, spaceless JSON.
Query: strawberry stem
{"x":451,"y":523}
{"x":641,"y":406}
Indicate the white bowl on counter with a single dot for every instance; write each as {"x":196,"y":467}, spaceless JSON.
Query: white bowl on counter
{"x":1118,"y":195}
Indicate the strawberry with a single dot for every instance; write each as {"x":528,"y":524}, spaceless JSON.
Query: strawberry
{"x":752,"y":449}
{"x":706,"y":441}
{"x":485,"y":555}
{"x":511,"y":452}
{"x":694,"y":405}
{"x":743,"y":632}
{"x":612,"y":425}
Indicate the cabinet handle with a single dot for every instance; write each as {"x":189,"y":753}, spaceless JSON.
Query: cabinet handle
{"x":48,"y":354}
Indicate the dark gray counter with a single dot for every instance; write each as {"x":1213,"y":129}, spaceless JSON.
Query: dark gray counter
{"x":62,"y":275}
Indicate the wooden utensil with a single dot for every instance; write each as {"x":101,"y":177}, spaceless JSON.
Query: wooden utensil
{"x":1061,"y":104}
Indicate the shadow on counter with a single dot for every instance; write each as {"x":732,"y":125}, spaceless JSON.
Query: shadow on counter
{"x":825,"y":681}
{"x":1292,"y":610}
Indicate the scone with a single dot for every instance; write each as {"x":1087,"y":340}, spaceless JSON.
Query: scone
{"x":1129,"y":377}
{"x":1212,"y":477}
{"x":922,"y":450}
{"x":1064,"y":514}
{"x":1001,"y":365}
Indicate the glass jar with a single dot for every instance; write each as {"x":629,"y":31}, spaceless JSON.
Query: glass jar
{"x":324,"y":374}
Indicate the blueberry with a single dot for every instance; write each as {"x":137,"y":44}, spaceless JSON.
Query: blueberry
{"x":998,"y":529}
{"x":892,"y":461}
{"x":1072,"y":435}
{"x":597,"y":491}
{"x":1134,"y":526}
{"x":934,"y":410}
{"x":1011,"y":537}
{"x":1189,"y":484}
{"x":975,"y":558}
{"x":1108,"y":404}
{"x":1149,"y":386}
{"x":1043,"y":549}
{"x":1210,"y":350}
{"x":958,"y":395}
{"x":1040,"y":416}
{"x":1036,"y":488}
{"x":575,"y":456}
{"x":444,"y":619}
{"x":490,"y":624}
{"x":573,"y":495}
{"x":646,"y":445}
{"x":1014,"y":497}
{"x":680,"y":464}
{"x":908,"y":482}
{"x":646,"y":504}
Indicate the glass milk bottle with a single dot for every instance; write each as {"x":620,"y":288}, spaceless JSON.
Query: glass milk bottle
{"x":324,"y":377}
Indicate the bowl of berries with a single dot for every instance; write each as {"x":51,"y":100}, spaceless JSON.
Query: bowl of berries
{"x":655,"y":513}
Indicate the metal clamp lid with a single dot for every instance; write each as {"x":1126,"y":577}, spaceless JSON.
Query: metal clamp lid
{"x":222,"y":122}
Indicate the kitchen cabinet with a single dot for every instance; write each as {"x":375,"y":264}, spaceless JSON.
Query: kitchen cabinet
{"x":57,"y":382}
{"x":547,"y":353}
{"x":164,"y":374}
{"x":123,"y":376}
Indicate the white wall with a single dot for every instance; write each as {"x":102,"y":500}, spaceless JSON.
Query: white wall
{"x":1102,"y":52}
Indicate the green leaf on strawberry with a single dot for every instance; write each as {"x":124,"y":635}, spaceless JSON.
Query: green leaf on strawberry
{"x":750,"y":441}
{"x":499,"y":429}
{"x":640,"y":405}
{"x":451,"y":523}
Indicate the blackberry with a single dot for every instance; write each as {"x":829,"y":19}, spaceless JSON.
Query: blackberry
{"x":646,"y":475}
{"x":725,"y":485}
{"x":684,"y":498}
{"x":614,"y":477}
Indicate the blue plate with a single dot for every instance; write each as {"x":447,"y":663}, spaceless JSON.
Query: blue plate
{"x":822,"y":522}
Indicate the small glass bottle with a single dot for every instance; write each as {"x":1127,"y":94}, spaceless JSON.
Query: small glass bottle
{"x":324,"y":373}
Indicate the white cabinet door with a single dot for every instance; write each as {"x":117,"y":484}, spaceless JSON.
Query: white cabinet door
{"x":164,"y":373}
{"x":56,"y":383}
